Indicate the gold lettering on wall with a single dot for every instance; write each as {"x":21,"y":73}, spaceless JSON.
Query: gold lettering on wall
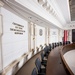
{"x":18,"y":29}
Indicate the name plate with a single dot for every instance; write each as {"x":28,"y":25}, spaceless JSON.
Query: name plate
{"x":18,"y":29}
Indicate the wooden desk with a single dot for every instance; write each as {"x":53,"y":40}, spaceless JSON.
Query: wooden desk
{"x":70,"y":59}
{"x":54,"y":63}
{"x":63,"y":52}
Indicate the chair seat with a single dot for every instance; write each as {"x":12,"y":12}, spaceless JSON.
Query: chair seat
{"x":34,"y":72}
{"x":44,"y":61}
{"x":41,"y":74}
{"x":46,"y":55}
{"x":44,"y":64}
{"x":43,"y":70}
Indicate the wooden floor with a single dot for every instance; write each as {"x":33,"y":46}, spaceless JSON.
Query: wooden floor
{"x":28,"y":67}
{"x":54,"y":65}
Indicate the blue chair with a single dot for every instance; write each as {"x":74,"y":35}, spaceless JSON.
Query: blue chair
{"x":50,"y":47}
{"x":46,"y":51}
{"x":34,"y":72}
{"x":44,"y":60}
{"x":38,"y":65}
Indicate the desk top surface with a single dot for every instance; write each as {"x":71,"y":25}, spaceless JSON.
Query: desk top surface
{"x":70,"y":59}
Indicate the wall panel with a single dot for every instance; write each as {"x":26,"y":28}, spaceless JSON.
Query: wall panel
{"x":53,"y":35}
{"x":14,"y":43}
{"x":40,"y":35}
{"x":1,"y":65}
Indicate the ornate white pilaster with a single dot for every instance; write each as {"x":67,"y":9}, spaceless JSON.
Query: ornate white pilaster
{"x":1,"y":59}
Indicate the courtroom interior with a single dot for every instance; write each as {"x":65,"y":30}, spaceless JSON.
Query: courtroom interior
{"x":37,"y":37}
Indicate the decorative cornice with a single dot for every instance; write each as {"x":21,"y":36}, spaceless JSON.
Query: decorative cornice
{"x":47,"y":6}
{"x":41,"y":1}
{"x":1,"y":4}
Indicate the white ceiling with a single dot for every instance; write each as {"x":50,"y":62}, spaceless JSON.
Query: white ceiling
{"x":63,"y":7}
{"x":31,"y":10}
{"x":27,"y":14}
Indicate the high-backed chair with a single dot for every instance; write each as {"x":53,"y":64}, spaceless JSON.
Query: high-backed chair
{"x":60,"y":43}
{"x":50,"y":47}
{"x":64,"y":43}
{"x":34,"y":72}
{"x":46,"y":53}
{"x":57,"y":44}
{"x":38,"y":65}
{"x":68,"y":42}
{"x":43,"y":59}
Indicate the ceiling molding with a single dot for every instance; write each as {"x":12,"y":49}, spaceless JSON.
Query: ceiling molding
{"x":28,"y":15}
{"x":45,"y":15}
{"x":41,"y":2}
{"x":1,"y":4}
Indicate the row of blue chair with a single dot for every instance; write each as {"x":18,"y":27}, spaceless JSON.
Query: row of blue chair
{"x":44,"y":56}
{"x":48,"y":48}
{"x":39,"y":63}
{"x":34,"y":72}
{"x":39,"y":70}
{"x":66,"y":42}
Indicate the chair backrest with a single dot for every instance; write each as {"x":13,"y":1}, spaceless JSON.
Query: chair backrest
{"x":42,"y":56}
{"x":50,"y":46}
{"x":60,"y":43}
{"x":55,"y":44}
{"x":46,"y":49}
{"x":38,"y":64}
{"x":34,"y":72}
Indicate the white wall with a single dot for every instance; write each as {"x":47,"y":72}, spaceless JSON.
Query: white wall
{"x":0,"y":57}
{"x":70,"y":35}
{"x":40,"y":40}
{"x":53,"y":35}
{"x":0,"y":43}
{"x":61,"y":35}
{"x":13,"y":45}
